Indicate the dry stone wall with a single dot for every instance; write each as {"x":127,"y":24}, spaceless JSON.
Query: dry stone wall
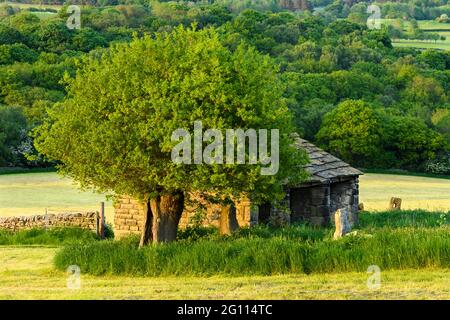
{"x":86,"y":220}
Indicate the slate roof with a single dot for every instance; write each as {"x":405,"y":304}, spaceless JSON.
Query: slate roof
{"x":323,"y":166}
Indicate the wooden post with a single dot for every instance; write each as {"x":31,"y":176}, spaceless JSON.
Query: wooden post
{"x":102,"y":220}
{"x":97,"y":221}
{"x":395,"y":203}
{"x":46,"y":218}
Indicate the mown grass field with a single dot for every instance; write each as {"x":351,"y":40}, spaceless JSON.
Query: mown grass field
{"x":31,"y":193}
{"x":432,"y":194}
{"x":422,"y":44}
{"x":27,"y":273}
{"x":32,"y":5}
{"x":442,"y":29}
{"x":43,"y":15}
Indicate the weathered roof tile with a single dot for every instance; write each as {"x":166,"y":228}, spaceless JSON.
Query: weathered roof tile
{"x":324,"y":166}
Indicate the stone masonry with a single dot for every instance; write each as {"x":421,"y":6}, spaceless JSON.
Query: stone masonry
{"x":129,"y":215}
{"x":86,"y":220}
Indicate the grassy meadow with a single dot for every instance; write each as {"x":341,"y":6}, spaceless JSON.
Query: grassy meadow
{"x":32,"y":5}
{"x":32,"y":193}
{"x":432,"y":194}
{"x":27,"y":273}
{"x":422,"y":44}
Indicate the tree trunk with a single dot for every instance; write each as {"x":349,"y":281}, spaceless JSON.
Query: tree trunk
{"x":228,"y":221}
{"x":167,"y":210}
{"x":147,"y":234}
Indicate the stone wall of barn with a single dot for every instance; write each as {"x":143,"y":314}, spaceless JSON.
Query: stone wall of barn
{"x":86,"y":220}
{"x":311,"y":204}
{"x":345,"y":195}
{"x":129,"y":215}
{"x":318,"y":203}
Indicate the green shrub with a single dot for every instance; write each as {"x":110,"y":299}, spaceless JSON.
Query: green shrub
{"x":109,"y":231}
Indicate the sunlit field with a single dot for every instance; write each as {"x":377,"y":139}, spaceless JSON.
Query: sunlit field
{"x":442,"y":29}
{"x":422,"y":44}
{"x":27,"y":273}
{"x":32,"y":5}
{"x":32,"y":193}
{"x":431,"y":194}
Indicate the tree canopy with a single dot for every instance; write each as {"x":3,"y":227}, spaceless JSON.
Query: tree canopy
{"x":114,"y":129}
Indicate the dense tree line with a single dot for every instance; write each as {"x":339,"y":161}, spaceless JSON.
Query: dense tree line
{"x":348,"y":88}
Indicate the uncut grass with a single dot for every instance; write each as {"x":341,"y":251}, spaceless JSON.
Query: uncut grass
{"x":54,"y":236}
{"x":402,"y":219}
{"x":402,"y":248}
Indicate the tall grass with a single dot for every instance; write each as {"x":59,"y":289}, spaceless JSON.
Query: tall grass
{"x":402,"y":219}
{"x":39,"y":236}
{"x":389,"y":249}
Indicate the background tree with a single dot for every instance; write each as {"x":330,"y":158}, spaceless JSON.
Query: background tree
{"x":114,"y":130}
{"x":13,"y":128}
{"x":351,"y":131}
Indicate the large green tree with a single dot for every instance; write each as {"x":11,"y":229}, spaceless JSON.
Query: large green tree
{"x":114,"y":129}
{"x":352,"y":131}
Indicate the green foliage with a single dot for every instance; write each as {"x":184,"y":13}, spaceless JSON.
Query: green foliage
{"x":324,"y":59}
{"x":351,"y":131}
{"x":197,"y":232}
{"x":438,"y":60}
{"x":13,"y":127}
{"x":16,"y":53}
{"x":369,"y":137}
{"x":120,"y":140}
{"x":410,"y":141}
{"x":109,"y":231}
{"x":9,"y":35}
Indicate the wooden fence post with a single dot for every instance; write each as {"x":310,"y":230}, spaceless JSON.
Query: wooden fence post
{"x":102,"y":221}
{"x":97,"y":223}
{"x":46,"y":219}
{"x":395,"y":203}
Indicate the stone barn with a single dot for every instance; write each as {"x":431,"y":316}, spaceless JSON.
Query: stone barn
{"x":332,"y":184}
